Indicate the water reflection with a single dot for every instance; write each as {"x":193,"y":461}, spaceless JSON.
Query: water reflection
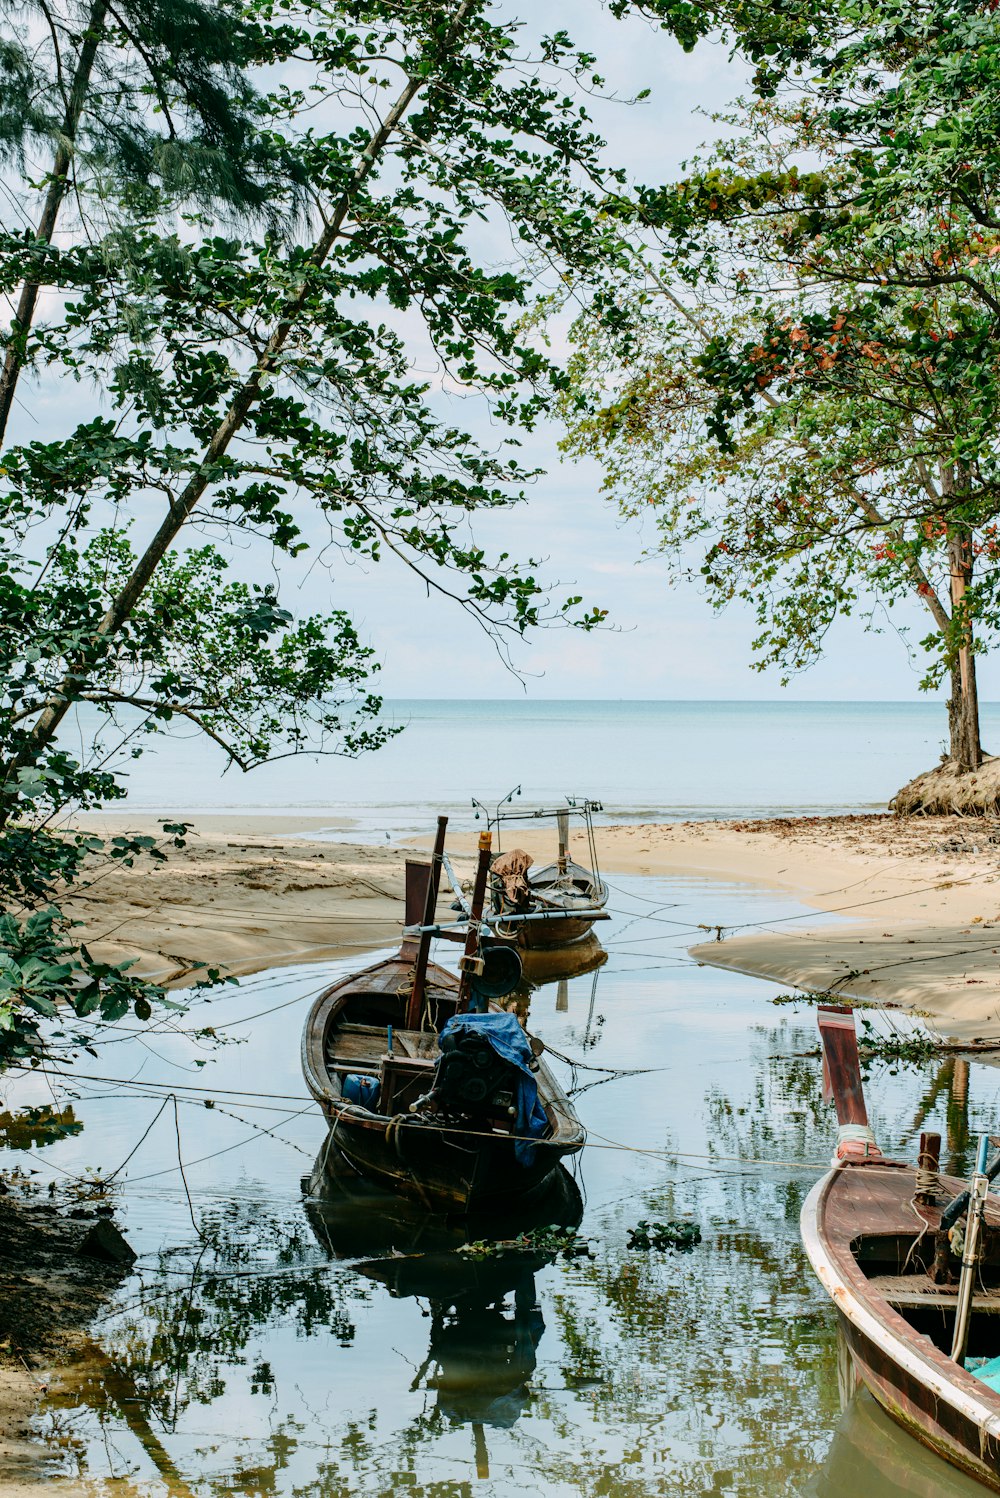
{"x":950,"y":1081}
{"x":871,"y":1456}
{"x":485,"y":1319}
{"x":543,"y":966}
{"x":355,"y":1219}
{"x":336,"y":1342}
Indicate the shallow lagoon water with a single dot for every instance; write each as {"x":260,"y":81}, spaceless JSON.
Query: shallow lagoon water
{"x":290,"y":1350}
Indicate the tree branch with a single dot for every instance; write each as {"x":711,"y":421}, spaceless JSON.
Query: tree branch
{"x":233,"y":421}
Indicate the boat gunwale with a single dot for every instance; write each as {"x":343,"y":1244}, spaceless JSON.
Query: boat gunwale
{"x":884,"y":1326}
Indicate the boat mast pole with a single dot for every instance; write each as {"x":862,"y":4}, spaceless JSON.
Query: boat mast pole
{"x":472,"y":940}
{"x":415,"y":1004}
{"x":970,"y":1253}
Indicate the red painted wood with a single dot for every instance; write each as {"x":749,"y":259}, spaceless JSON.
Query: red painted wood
{"x":843,"y":1066}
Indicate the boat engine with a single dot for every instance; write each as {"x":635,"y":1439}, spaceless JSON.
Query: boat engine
{"x":473,"y":1081}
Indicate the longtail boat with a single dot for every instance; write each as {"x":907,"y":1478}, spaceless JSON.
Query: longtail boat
{"x":550,"y":907}
{"x":911,"y":1260}
{"x":422,"y":1094}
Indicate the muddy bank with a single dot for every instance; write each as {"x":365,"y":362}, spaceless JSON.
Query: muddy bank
{"x":50,"y":1293}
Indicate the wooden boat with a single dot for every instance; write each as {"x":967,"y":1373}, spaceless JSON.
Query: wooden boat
{"x":356,"y":1219}
{"x":451,"y":1165}
{"x":443,"y":1130}
{"x":553,"y":906}
{"x":876,"y":1232}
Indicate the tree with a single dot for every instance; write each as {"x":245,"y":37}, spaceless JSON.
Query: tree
{"x":121,"y":98}
{"x":825,"y":373}
{"x":261,"y":383}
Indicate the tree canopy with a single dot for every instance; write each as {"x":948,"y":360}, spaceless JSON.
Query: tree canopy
{"x":805,"y":378}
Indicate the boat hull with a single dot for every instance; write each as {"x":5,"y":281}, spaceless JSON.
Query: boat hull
{"x":873,"y":1456}
{"x":445,"y":1171}
{"x":941,"y":1426}
{"x":932,"y":1398}
{"x":551,"y":935}
{"x":446,"y":1168}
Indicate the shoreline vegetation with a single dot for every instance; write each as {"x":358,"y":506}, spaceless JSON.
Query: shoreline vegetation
{"x":908,"y":909}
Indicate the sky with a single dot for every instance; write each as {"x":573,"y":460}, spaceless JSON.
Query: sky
{"x":661,"y":641}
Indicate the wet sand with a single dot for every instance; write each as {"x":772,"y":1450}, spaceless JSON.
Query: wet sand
{"x":917,"y":901}
{"x":246,"y":893}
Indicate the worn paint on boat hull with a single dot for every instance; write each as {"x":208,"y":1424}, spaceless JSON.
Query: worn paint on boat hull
{"x":940,"y":1403}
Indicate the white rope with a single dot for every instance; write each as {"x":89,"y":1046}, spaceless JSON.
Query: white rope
{"x":855,"y":1141}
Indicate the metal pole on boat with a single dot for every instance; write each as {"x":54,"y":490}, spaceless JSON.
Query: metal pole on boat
{"x":424,"y":949}
{"x":473,"y":939}
{"x":970,"y":1252}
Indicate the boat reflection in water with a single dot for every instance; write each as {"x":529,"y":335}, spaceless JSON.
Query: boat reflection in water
{"x":550,"y":964}
{"x":871,"y":1457}
{"x":540,"y":969}
{"x":485,"y":1320}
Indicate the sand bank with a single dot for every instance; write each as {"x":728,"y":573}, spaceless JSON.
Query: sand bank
{"x":246,"y":893}
{"x":917,"y":905}
{"x":917,"y":901}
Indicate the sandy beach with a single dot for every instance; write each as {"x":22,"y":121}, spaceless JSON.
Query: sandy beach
{"x":911,"y":907}
{"x":246,"y":893}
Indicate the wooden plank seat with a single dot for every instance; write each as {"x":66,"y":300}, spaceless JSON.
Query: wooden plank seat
{"x":917,"y":1291}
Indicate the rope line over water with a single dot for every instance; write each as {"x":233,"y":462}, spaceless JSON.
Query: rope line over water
{"x":606,"y":1142}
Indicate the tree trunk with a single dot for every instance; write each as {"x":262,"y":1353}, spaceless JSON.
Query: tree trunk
{"x":58,"y":186}
{"x":963,"y":706}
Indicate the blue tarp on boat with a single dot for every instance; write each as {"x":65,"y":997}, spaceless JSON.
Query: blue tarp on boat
{"x":511,"y":1044}
{"x":988,"y":1369}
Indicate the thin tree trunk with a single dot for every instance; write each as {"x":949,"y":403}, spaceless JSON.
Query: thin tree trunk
{"x":963,"y":708}
{"x":58,"y":183}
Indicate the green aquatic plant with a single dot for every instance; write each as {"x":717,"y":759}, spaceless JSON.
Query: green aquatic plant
{"x":548,"y":1241}
{"x":673,"y":1234}
{"x":896,"y":1047}
{"x":810,"y":996}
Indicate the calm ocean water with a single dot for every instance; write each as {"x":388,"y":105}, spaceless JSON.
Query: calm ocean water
{"x":644,"y":760}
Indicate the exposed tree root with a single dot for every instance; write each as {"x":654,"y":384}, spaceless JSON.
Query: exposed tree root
{"x":947,"y":790}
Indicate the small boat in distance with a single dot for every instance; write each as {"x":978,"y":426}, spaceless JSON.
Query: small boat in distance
{"x":453,"y":1108}
{"x":911,"y":1260}
{"x":553,"y":906}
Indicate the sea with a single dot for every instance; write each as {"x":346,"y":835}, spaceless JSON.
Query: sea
{"x":643,"y":761}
